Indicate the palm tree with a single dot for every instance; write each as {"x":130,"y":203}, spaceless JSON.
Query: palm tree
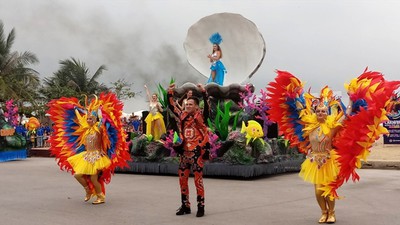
{"x":17,"y":81}
{"x":73,"y":79}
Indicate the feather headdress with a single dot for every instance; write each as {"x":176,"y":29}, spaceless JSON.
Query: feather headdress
{"x":328,"y":100}
{"x":215,"y":38}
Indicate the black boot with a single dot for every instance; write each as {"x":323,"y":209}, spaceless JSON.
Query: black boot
{"x":200,"y":211}
{"x":183,"y":210}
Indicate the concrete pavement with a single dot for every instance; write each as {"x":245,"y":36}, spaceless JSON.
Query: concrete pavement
{"x":383,"y":156}
{"x":35,"y":191}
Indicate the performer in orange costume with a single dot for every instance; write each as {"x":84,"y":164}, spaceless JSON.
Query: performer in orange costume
{"x":194,"y":135}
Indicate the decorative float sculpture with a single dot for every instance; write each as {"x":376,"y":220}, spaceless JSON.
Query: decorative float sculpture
{"x":233,"y":103}
{"x":12,"y":144}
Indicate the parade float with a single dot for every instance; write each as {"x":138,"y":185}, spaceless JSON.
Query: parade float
{"x":12,"y":143}
{"x":244,"y":143}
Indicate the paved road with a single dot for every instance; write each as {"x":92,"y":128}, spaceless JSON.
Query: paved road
{"x":35,"y":191}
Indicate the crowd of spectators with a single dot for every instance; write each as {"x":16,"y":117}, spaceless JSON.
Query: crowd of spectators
{"x":133,"y":127}
{"x":37,"y":138}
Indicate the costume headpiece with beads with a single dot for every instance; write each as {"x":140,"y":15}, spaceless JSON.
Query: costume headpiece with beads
{"x":93,"y":109}
{"x":325,"y":100}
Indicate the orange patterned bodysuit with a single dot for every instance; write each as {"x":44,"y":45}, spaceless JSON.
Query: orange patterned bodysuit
{"x":194,"y":135}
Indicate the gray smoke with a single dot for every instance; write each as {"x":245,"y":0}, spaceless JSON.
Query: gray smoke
{"x":128,"y":48}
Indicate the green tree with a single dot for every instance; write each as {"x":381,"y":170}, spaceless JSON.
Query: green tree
{"x":73,"y":79}
{"x":17,"y":80}
{"x":122,"y":89}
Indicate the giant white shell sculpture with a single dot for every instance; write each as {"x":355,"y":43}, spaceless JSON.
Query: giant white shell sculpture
{"x":243,"y":47}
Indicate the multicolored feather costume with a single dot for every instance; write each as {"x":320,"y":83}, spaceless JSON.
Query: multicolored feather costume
{"x":70,"y":129}
{"x":287,"y":105}
{"x":370,"y":94}
{"x":292,"y":109}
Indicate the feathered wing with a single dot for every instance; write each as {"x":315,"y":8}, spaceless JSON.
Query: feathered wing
{"x":67,"y":130}
{"x":287,"y":104}
{"x":370,"y":93}
{"x":114,"y":136}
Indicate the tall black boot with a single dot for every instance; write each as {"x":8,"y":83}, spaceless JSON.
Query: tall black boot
{"x":200,"y":211}
{"x":183,"y":210}
{"x":200,"y":206}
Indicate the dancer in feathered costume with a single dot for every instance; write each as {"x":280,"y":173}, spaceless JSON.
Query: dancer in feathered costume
{"x":333,"y":137}
{"x":89,"y":141}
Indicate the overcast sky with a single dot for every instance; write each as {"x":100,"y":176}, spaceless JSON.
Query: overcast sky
{"x":321,"y":42}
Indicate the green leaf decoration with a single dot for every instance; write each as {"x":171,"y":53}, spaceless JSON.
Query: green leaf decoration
{"x":162,"y":95}
{"x":220,"y":125}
